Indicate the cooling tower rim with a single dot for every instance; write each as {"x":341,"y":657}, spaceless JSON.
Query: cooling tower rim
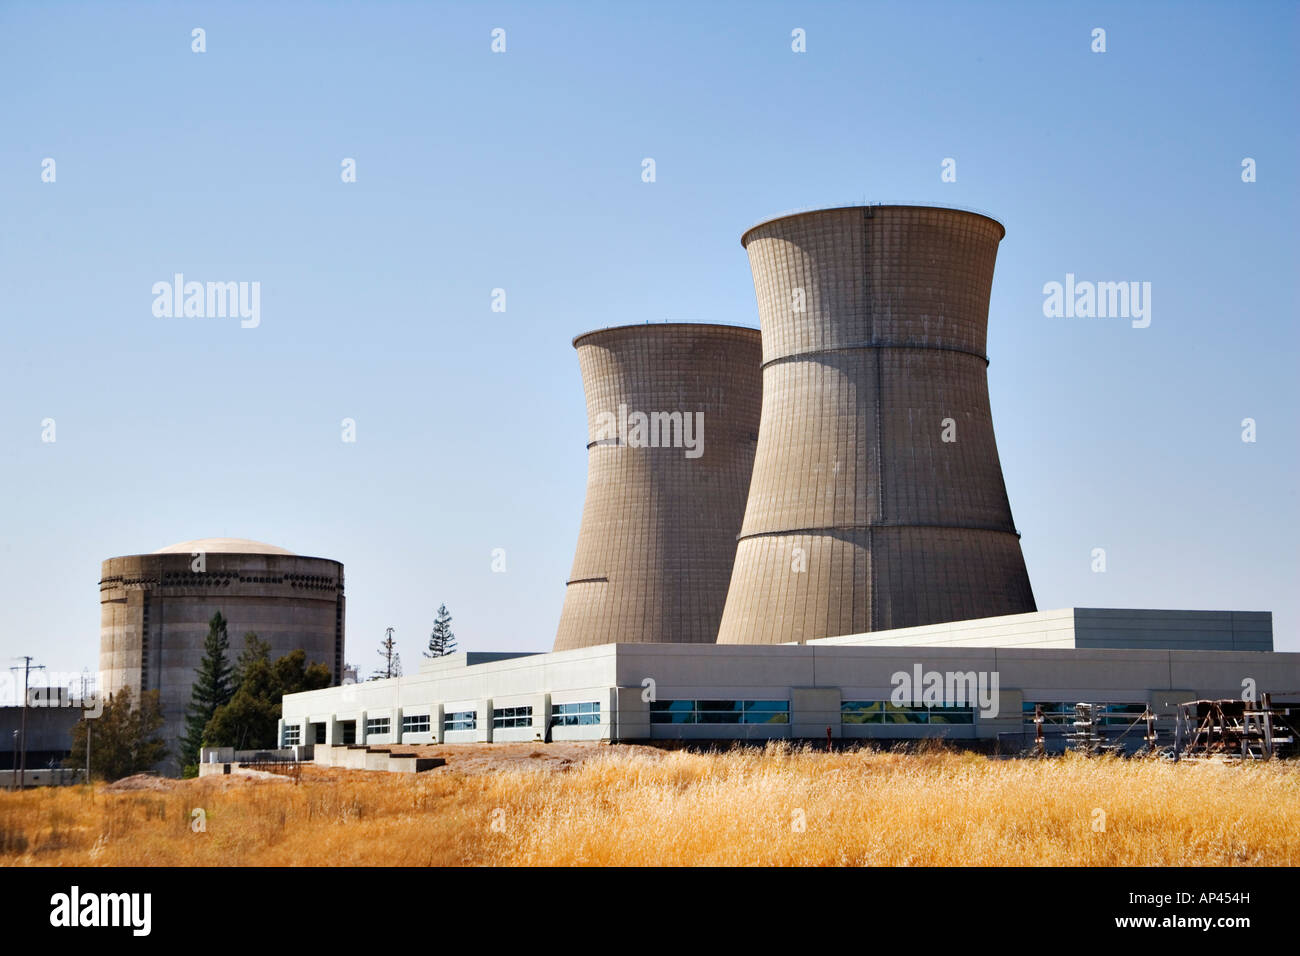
{"x":810,"y":210}
{"x":664,"y":325}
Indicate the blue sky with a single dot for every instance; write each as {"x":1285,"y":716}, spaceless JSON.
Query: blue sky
{"x":522,"y":171}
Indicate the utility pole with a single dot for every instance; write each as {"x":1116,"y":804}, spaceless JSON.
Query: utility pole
{"x":22,"y":751}
{"x":89,"y":723}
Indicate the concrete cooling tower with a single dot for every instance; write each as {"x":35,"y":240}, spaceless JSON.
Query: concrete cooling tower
{"x":672,"y":419}
{"x":877,"y":498}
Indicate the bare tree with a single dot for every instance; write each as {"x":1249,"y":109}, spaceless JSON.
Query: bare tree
{"x":392,"y":660}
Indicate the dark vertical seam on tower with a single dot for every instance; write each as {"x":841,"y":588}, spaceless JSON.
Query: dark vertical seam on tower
{"x":162,"y":637}
{"x":880,"y":445}
{"x":869,"y":305}
{"x":144,"y":640}
{"x":334,"y":664}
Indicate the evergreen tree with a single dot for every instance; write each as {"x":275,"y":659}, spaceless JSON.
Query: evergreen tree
{"x":212,"y":689}
{"x":123,"y":740}
{"x":441,"y":641}
{"x":255,"y":650}
{"x":392,"y":660}
{"x":251,"y":720}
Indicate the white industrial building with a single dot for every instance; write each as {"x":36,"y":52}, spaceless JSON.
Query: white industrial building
{"x":1128,"y":659}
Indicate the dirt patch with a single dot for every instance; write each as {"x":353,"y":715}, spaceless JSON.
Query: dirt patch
{"x":559,"y":757}
{"x":491,"y":758}
{"x":149,"y":783}
{"x":461,"y":758}
{"x":143,"y":781}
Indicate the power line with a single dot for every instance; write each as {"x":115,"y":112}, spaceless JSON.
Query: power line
{"x":22,"y":750}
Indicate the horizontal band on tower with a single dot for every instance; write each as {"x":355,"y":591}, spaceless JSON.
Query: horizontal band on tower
{"x":830,"y":531}
{"x":587,"y":581}
{"x":863,"y":346}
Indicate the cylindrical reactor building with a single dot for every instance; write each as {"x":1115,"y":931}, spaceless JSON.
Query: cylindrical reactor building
{"x":155,"y":608}
{"x":672,"y":421}
{"x":877,"y":499}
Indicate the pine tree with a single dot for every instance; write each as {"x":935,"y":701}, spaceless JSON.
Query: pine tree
{"x":255,"y":651}
{"x":441,"y":641}
{"x":392,"y":660}
{"x":212,"y":689}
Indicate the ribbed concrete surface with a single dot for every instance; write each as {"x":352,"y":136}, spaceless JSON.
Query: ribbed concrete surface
{"x":154,"y":614}
{"x":896,"y":527}
{"x":658,"y":533}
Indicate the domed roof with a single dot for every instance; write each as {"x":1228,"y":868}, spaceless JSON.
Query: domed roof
{"x":222,"y":546}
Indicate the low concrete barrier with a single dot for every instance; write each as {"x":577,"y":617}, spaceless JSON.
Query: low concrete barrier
{"x":409,"y":763}
{"x":58,"y":777}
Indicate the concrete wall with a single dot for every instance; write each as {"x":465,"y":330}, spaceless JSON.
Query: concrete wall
{"x":473,"y":682}
{"x":1174,"y":630}
{"x":39,"y":778}
{"x":218,"y":755}
{"x":814,"y":678}
{"x":659,"y":524}
{"x":861,"y":517}
{"x":1087,"y":627}
{"x":49,"y":734}
{"x":154,"y":613}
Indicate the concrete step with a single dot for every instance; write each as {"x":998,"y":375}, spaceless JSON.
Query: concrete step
{"x":362,"y":757}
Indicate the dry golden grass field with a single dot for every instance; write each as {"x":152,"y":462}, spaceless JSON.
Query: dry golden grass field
{"x":639,"y":806}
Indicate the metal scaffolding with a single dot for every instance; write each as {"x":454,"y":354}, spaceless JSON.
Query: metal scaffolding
{"x":1237,"y":729}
